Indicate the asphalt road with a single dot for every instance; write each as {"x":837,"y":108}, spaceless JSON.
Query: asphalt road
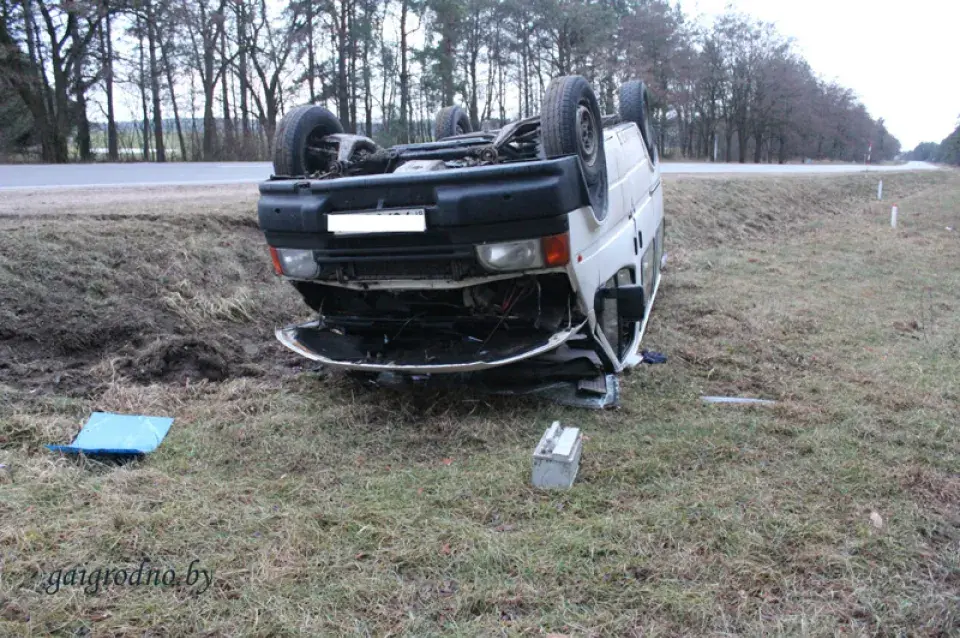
{"x":34,"y":176}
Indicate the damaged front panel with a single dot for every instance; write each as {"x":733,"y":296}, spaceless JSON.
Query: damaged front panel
{"x":426,"y":330}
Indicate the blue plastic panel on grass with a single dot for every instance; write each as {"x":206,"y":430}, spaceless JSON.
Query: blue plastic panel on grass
{"x":120,"y":434}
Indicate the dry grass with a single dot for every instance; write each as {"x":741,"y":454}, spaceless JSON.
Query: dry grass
{"x":325,"y":509}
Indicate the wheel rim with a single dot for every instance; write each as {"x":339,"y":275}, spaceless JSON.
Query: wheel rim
{"x":313,"y":163}
{"x":587,"y":130}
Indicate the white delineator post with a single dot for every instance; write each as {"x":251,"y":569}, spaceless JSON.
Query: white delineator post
{"x":880,"y":191}
{"x":893,"y":216}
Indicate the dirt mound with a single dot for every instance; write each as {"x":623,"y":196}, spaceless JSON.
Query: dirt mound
{"x":153,"y":299}
{"x":177,"y":359}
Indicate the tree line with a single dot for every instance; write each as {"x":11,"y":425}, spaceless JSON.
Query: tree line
{"x":210,"y":79}
{"x":946,"y":152}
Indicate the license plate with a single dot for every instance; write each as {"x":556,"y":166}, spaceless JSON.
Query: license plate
{"x":398,"y":220}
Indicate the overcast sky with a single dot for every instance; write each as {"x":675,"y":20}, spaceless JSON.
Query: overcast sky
{"x":902,"y":58}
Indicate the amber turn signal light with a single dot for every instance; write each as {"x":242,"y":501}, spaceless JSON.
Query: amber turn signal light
{"x":275,"y":258}
{"x":556,"y":250}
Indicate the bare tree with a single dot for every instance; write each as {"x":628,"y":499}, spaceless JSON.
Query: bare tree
{"x":57,"y":38}
{"x":405,"y":6}
{"x":272,"y":44}
{"x":105,"y":36}
{"x":206,"y":22}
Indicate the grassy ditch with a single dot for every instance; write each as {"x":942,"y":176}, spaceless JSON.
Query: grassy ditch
{"x":325,"y":508}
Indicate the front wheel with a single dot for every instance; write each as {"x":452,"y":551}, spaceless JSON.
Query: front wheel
{"x":570,"y":124}
{"x":301,"y":130}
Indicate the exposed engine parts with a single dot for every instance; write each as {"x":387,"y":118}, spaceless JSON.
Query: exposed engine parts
{"x":341,"y":155}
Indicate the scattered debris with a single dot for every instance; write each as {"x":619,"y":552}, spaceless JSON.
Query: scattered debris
{"x":738,"y":400}
{"x":911,"y":326}
{"x":107,"y":434}
{"x":570,"y":393}
{"x":602,"y":392}
{"x":556,"y":459}
{"x":876,"y":520}
{"x":651,"y":357}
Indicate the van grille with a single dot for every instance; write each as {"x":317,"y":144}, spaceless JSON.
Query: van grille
{"x":379,"y":269}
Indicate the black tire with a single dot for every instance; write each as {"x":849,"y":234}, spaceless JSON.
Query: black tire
{"x":634,"y":98}
{"x":570,"y":124}
{"x":451,"y":120}
{"x":302,"y":127}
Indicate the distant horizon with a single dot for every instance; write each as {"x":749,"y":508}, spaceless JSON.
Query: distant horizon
{"x":892,"y":59}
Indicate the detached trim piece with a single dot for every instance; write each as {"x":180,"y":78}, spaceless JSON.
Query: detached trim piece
{"x":289,"y":338}
{"x":738,"y":400}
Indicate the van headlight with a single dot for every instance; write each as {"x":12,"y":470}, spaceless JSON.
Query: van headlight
{"x":511,"y":255}
{"x":294,"y":262}
{"x":528,"y":254}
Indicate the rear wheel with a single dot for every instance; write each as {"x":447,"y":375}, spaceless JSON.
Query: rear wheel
{"x":452,"y":120}
{"x":300,"y":129}
{"x":570,"y":124}
{"x":634,"y":101}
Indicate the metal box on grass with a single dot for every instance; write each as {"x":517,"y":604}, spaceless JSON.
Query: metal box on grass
{"x":556,"y":459}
